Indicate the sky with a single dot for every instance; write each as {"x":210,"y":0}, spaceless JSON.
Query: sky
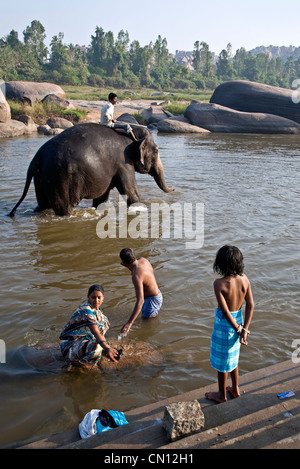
{"x":242,"y":23}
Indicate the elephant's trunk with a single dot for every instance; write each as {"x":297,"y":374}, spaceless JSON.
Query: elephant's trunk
{"x":157,"y":171}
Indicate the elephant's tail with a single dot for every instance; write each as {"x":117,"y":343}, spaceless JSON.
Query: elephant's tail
{"x":30,"y":173}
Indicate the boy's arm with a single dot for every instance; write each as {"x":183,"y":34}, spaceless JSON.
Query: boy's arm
{"x":139,"y":291}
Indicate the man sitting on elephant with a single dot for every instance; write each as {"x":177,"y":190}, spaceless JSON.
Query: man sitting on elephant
{"x":107,"y":116}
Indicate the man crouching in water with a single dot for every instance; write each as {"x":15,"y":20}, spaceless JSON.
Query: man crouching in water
{"x":148,"y":296}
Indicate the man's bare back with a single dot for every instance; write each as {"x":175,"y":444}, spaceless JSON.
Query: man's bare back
{"x":146,"y":288}
{"x":143,"y":272}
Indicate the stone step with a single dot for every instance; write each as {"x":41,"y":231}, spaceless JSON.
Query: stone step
{"x":249,"y":420}
{"x":249,"y":428}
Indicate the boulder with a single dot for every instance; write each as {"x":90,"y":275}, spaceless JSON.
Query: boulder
{"x":28,"y":91}
{"x":53,"y":132}
{"x":47,"y":130}
{"x":218,"y":118}
{"x":54,"y":99}
{"x":59,"y":123}
{"x":12,"y":128}
{"x":182,"y":419}
{"x":42,"y":129}
{"x":31,"y":126}
{"x":178,"y":124}
{"x":154,"y":114}
{"x":128,"y":118}
{"x":250,"y":96}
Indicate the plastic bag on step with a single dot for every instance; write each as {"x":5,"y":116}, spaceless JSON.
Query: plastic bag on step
{"x":99,"y":421}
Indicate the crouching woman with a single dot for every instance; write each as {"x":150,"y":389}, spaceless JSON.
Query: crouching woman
{"x":84,"y":334}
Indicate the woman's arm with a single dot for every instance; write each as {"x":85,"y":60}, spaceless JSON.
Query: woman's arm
{"x":110,"y":352}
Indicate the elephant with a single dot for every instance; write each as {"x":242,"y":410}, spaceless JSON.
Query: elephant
{"x":87,"y":161}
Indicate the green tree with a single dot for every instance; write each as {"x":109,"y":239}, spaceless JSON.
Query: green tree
{"x":205,"y":59}
{"x":140,"y":62}
{"x":161,"y":52}
{"x":120,"y":59}
{"x":12,"y":40}
{"x":34,"y":37}
{"x":97,"y":53}
{"x":239,"y":61}
{"x":196,"y":56}
{"x":224,"y":69}
{"x":59,"y":52}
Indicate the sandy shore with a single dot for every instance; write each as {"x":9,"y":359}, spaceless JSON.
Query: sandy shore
{"x":123,"y":106}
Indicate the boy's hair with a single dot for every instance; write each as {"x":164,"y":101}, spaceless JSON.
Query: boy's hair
{"x":95,"y":287}
{"x":127,"y":255}
{"x":112,"y":96}
{"x":229,"y":261}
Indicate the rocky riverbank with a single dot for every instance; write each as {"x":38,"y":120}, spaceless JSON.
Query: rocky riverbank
{"x":236,"y":106}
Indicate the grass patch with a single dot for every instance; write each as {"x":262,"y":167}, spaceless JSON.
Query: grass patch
{"x":40,"y":112}
{"x":176,"y":108}
{"x":91,"y":93}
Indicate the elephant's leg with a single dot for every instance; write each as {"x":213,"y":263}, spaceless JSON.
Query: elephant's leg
{"x":49,"y":196}
{"x":126,"y":185}
{"x":42,"y":199}
{"x":103,"y":198}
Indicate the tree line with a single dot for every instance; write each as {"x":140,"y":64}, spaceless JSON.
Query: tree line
{"x":117,"y":62}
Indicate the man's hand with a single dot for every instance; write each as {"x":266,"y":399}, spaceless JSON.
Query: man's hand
{"x":126,"y":327}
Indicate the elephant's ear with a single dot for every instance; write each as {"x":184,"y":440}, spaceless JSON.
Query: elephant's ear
{"x":142,"y":151}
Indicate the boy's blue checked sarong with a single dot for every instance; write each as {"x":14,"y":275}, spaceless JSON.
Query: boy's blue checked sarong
{"x":225,"y":342}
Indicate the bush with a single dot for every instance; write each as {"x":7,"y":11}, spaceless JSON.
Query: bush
{"x":40,"y":112}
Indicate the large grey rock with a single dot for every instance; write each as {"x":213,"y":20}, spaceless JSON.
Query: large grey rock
{"x":12,"y":128}
{"x":182,"y":419}
{"x":218,"y":118}
{"x":154,"y":114}
{"x":128,"y":118}
{"x":179,"y":125}
{"x":31,"y":126}
{"x":53,"y":99}
{"x":256,"y":97}
{"x":28,"y":91}
{"x":59,"y":123}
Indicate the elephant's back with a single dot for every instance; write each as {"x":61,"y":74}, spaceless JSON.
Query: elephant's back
{"x":82,"y":137}
{"x":76,"y":143}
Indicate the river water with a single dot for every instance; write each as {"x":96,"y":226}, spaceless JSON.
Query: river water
{"x":249,"y":188}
